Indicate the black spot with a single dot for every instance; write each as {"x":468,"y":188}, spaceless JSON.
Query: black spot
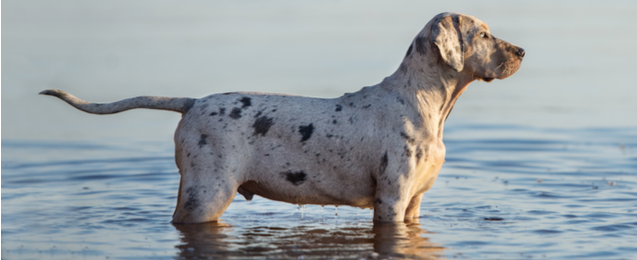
{"x":262,"y":125}
{"x":403,"y":68}
{"x":296,"y":178}
{"x":334,"y":121}
{"x":456,"y":21}
{"x":246,"y":102}
{"x":378,"y":201}
{"x":192,"y":202}
{"x":351,"y":104}
{"x":213,"y":114}
{"x":383,"y":164}
{"x":409,"y":50}
{"x":306,"y":132}
{"x":222,"y":111}
{"x":409,"y":139}
{"x":339,"y":108}
{"x":367,"y":106}
{"x":407,"y":151}
{"x":418,"y":153}
{"x":402,"y":101}
{"x":202,"y":140}
{"x":421,"y":45}
{"x":235,"y":113}
{"x":493,"y":219}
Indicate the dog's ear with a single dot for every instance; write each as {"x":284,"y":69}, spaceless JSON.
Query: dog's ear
{"x":449,"y":41}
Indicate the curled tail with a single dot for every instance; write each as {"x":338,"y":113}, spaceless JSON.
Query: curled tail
{"x":181,"y":105}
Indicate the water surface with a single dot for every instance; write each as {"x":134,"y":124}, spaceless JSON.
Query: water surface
{"x":504,"y":192}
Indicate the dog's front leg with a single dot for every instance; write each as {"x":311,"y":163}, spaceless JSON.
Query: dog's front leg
{"x":412,"y":213}
{"x":392,"y":197}
{"x":390,"y":204}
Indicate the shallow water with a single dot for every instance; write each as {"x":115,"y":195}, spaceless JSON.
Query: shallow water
{"x":504,"y":192}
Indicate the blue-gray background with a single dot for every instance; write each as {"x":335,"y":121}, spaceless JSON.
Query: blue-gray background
{"x":578,"y":72}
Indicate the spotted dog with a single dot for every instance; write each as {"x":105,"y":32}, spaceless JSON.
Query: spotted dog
{"x":380,"y":147}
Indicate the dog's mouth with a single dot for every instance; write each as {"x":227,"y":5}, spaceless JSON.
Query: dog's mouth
{"x":504,"y":70}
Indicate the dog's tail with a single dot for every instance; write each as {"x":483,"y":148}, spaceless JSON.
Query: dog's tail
{"x":181,"y":105}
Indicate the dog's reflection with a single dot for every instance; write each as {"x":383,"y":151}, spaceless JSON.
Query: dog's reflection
{"x":404,"y":240}
{"x":363,"y":240}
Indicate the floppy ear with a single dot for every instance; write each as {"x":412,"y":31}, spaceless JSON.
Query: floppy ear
{"x":449,"y":41}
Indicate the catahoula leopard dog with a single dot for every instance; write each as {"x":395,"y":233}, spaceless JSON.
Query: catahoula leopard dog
{"x":380,"y":147}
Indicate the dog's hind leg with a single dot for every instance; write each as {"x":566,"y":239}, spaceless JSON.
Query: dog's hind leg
{"x":205,"y":188}
{"x":202,"y":200}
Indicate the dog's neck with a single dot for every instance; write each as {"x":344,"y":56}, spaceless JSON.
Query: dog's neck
{"x":432,"y":89}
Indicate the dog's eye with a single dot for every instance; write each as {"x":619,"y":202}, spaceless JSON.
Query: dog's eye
{"x":484,"y":35}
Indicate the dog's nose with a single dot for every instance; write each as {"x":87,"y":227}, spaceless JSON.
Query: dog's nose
{"x":520,"y":53}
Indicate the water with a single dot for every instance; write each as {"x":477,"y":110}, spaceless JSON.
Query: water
{"x":505,"y":192}
{"x":540,"y":165}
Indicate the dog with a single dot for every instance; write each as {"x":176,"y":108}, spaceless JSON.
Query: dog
{"x":380,"y":147}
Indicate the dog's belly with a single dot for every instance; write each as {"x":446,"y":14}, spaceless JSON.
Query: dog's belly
{"x":356,"y":196}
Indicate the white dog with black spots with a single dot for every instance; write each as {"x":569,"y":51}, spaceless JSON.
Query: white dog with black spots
{"x":380,"y":147}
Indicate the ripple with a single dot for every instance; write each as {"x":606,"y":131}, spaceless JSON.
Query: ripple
{"x":124,"y":204}
{"x":540,"y":212}
{"x":615,"y":227}
{"x":547,"y":231}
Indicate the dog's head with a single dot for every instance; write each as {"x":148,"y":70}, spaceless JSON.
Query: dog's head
{"x":465,"y":44}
